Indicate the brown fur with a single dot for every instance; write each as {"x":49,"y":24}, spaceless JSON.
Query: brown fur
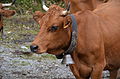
{"x":98,"y":45}
{"x":81,"y":5}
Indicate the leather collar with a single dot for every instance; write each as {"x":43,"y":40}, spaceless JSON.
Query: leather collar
{"x":73,"y":38}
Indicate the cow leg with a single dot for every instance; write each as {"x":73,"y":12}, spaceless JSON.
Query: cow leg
{"x":113,"y":74}
{"x":1,"y":32}
{"x":81,"y":71}
{"x":98,"y":67}
{"x":97,"y":72}
{"x":75,"y":71}
{"x":100,"y":62}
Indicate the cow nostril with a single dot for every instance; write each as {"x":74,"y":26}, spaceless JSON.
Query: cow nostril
{"x":33,"y":48}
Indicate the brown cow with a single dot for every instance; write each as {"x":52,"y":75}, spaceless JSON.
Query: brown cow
{"x":98,"y":44}
{"x":5,"y":13}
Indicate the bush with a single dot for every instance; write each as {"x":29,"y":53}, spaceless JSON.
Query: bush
{"x":29,"y":6}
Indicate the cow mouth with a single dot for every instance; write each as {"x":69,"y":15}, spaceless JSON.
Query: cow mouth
{"x":58,"y":53}
{"x":55,"y":52}
{"x":38,"y":51}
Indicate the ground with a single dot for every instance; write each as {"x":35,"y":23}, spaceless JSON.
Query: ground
{"x":19,"y":32}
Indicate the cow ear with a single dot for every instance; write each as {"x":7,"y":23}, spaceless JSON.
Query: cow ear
{"x":37,"y":16}
{"x":67,"y":22}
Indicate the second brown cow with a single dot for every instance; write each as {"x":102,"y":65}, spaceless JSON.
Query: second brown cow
{"x":5,"y":13}
{"x":82,"y":5}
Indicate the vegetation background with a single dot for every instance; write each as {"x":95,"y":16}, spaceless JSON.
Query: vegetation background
{"x":29,"y":6}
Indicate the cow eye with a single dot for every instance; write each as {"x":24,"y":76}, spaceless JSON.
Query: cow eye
{"x":53,"y":28}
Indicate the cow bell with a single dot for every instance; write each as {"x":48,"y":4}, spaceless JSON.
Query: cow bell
{"x":67,"y":59}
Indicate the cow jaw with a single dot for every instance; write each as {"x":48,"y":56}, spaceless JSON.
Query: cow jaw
{"x":45,"y":49}
{"x":56,"y":52}
{"x":41,"y":50}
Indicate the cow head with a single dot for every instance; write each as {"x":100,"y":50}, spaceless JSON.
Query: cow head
{"x":54,"y":35}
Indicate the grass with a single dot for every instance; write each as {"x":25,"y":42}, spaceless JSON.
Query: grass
{"x":20,"y":31}
{"x":39,"y":57}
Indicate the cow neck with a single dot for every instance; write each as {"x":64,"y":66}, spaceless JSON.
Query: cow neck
{"x":73,"y":40}
{"x":73,"y":36}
